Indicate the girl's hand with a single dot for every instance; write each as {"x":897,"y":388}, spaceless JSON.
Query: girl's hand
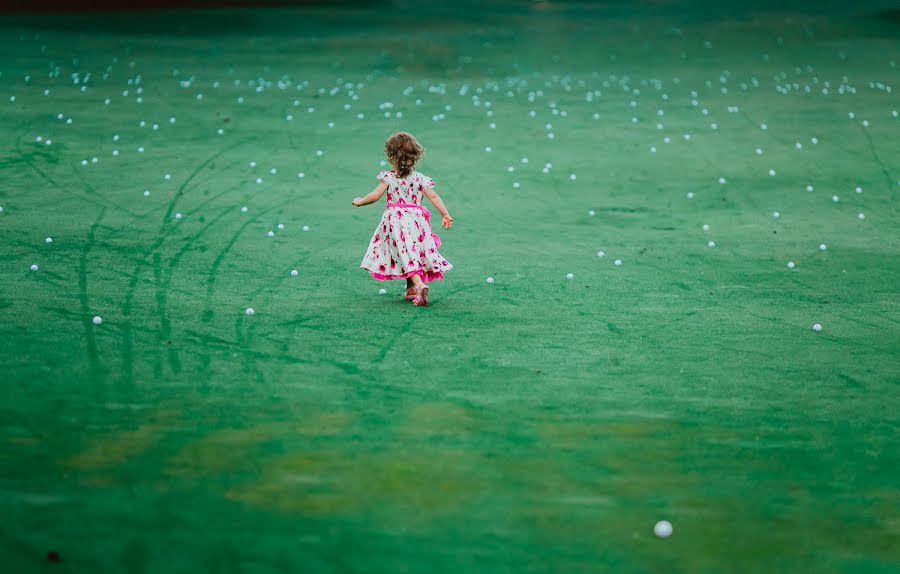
{"x":357,"y":201}
{"x":447,"y":222}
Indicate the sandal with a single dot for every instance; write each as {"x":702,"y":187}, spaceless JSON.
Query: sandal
{"x":421,"y":299}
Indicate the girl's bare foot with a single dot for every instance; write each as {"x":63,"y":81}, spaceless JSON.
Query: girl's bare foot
{"x":410,"y":293}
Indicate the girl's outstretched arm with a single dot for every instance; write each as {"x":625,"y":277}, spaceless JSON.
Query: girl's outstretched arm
{"x":374,"y":196}
{"x":436,"y":200}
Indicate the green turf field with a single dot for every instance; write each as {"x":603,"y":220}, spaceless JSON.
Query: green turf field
{"x":537,"y":424}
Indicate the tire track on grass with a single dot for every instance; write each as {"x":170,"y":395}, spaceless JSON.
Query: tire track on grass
{"x":220,"y":256}
{"x":166,"y":281}
{"x":86,"y":319}
{"x":404,"y":329}
{"x":163,"y":233}
{"x":884,"y":169}
{"x":90,"y":189}
{"x":53,"y":182}
{"x":212,"y":276}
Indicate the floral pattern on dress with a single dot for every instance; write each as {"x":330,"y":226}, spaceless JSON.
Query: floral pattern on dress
{"x":402,"y":244}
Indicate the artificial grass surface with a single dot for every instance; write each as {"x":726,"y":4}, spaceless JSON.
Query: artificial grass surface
{"x":537,"y":424}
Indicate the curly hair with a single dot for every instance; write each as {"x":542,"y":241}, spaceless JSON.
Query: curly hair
{"x":403,"y":151}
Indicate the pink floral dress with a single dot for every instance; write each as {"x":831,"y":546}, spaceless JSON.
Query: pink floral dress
{"x":404,"y":244}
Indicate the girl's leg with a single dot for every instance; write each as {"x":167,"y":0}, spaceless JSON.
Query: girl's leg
{"x":410,"y":289}
{"x":421,"y":291}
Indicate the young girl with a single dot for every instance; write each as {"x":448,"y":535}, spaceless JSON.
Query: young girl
{"x":404,"y":246}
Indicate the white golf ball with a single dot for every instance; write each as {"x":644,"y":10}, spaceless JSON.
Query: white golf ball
{"x":776,"y":215}
{"x":772,"y":172}
{"x":823,"y":247}
{"x":690,"y":195}
{"x":618,"y":262}
{"x":97,"y":319}
{"x":490,"y":280}
{"x":861,"y":216}
{"x":791,"y":265}
{"x":809,"y":188}
{"x":572,"y":177}
{"x":250,"y":311}
{"x":294,"y":273}
{"x":280,"y":226}
{"x":817,"y":327}
{"x":592,"y":213}
{"x":306,"y":228}
{"x":34,"y":267}
{"x":835,"y":198}
{"x":382,"y":291}
{"x":244,"y":209}
{"x":858,"y":189}
{"x":663,"y":529}
{"x":601,"y":254}
{"x":146,"y":193}
{"x":178,"y":216}
{"x":712,"y":243}
{"x":271,"y":234}
{"x":570,"y":276}
{"x":49,"y":240}
{"x":705,"y":227}
{"x":722,"y":180}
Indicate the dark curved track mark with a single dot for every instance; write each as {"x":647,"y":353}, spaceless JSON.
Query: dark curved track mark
{"x":127,"y":365}
{"x":53,"y":182}
{"x":166,"y":222}
{"x":404,"y":329}
{"x":884,"y":169}
{"x":214,"y":268}
{"x":90,"y":189}
{"x":86,"y":318}
{"x":164,"y":281}
{"x":213,"y":198}
{"x":382,"y":354}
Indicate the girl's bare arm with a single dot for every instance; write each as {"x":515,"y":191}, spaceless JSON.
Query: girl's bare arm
{"x":436,"y":201}
{"x":432,"y":196}
{"x":374,"y":196}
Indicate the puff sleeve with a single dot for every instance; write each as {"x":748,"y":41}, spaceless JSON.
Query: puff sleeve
{"x":427,"y":182}
{"x":383,"y":177}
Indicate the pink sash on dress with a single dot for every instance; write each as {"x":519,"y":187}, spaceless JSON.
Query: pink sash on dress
{"x":437,"y":240}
